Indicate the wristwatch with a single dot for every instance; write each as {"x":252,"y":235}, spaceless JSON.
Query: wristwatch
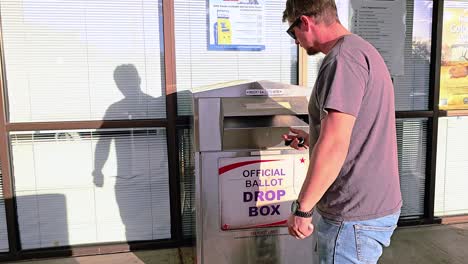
{"x":295,"y":210}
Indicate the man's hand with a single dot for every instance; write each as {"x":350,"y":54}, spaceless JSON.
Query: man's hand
{"x":294,"y":141}
{"x":300,"y":227}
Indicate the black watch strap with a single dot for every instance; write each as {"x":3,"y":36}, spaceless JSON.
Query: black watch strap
{"x":295,"y":210}
{"x":304,"y":214}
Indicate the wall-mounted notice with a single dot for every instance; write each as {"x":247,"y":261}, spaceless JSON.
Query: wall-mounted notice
{"x":382,"y":23}
{"x":236,"y":25}
{"x":454,"y":61}
{"x":258,"y":191}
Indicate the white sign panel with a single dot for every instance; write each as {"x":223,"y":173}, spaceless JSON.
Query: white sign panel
{"x":236,"y":25}
{"x":382,"y":23}
{"x":258,"y":191}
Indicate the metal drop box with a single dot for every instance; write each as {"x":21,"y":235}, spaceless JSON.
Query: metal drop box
{"x":246,"y":178}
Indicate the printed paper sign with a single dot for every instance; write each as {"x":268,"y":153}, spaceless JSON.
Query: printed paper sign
{"x":236,"y":25}
{"x":454,"y":61}
{"x":382,"y":23}
{"x":258,"y":191}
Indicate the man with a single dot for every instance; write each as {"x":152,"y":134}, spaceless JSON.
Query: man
{"x":352,"y":180}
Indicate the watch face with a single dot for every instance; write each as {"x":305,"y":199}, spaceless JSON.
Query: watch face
{"x":294,"y":206}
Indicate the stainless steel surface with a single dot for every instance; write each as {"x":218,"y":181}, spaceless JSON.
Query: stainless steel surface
{"x":257,"y":106}
{"x":210,"y":123}
{"x":253,"y":122}
{"x":231,"y":124}
{"x":258,"y":132}
{"x":260,"y":245}
{"x":199,"y":209}
{"x":263,"y":138}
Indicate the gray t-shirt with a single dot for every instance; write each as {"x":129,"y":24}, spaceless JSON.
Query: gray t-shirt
{"x":354,"y":79}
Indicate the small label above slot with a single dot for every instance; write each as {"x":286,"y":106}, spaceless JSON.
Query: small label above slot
{"x":269,"y":92}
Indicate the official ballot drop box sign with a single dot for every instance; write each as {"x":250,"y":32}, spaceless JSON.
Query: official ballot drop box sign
{"x":257,"y":191}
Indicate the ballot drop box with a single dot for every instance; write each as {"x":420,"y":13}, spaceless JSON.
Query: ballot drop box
{"x":246,"y":178}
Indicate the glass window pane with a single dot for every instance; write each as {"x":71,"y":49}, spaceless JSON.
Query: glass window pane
{"x":313,"y":67}
{"x":91,"y":186}
{"x":454,"y":59}
{"x":197,"y":66}
{"x":412,"y":152}
{"x":187,"y":182}
{"x":412,"y":88}
{"x":4,"y":247}
{"x":452,"y":164}
{"x":412,"y":85}
{"x":62,"y":59}
{"x":315,"y":61}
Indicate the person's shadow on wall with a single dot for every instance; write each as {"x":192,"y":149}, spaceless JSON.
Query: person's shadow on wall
{"x":141,"y":184}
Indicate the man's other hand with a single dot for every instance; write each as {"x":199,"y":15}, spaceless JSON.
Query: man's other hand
{"x":300,"y":227}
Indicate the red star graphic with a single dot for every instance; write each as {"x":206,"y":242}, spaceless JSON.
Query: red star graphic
{"x":225,"y":227}
{"x":302,"y":160}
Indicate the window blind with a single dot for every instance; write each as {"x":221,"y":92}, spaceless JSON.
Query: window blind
{"x":452,"y":165}
{"x":313,"y":67}
{"x":187,"y":182}
{"x":412,"y":153}
{"x":412,"y":88}
{"x":4,"y":247}
{"x":62,"y":59}
{"x":61,"y":202}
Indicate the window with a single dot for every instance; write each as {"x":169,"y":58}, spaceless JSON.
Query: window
{"x":197,"y":66}
{"x":83,"y":186}
{"x":62,"y":59}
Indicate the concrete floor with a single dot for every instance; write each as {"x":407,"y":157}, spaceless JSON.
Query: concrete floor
{"x":438,"y":244}
{"x":162,"y":256}
{"x":430,"y":244}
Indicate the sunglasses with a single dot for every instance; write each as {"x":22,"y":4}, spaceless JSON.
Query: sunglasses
{"x":290,"y":30}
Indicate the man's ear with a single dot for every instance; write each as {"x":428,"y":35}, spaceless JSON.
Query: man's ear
{"x":306,"y":22}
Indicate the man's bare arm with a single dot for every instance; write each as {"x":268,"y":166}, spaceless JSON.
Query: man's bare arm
{"x":327,"y":157}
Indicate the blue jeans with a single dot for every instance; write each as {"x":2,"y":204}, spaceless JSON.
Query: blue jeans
{"x":354,"y":241}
